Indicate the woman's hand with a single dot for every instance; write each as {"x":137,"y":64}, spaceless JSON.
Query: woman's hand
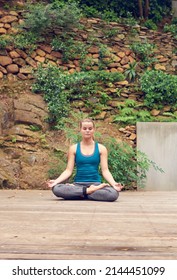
{"x":51,"y":183}
{"x":118,"y":187}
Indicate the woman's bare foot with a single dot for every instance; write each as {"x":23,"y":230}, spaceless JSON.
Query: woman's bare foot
{"x":94,"y":188}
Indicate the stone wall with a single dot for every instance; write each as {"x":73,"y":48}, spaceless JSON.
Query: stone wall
{"x":20,"y":63}
{"x":17,"y":64}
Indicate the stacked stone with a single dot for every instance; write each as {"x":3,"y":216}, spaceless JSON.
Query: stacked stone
{"x":8,"y":22}
{"x":20,"y":64}
{"x":16,"y":63}
{"x":129,"y":133}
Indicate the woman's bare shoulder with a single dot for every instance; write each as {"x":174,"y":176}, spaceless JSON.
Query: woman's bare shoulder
{"x":102,"y":148}
{"x":72,"y":148}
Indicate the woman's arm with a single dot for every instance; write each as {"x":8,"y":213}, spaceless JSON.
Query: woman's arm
{"x":68,"y":171}
{"x":105,"y":170}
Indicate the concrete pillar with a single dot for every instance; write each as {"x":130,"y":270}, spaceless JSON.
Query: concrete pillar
{"x":159,"y":142}
{"x":174,"y":8}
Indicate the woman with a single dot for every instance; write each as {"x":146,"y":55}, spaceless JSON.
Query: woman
{"x":87,"y":155}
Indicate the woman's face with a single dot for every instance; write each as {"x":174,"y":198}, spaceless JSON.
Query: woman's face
{"x":87,"y":130}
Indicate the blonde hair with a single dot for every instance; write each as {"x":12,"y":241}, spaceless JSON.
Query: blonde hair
{"x":86,"y":120}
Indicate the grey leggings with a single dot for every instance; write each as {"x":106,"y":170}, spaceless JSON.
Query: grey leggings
{"x":78,"y":191}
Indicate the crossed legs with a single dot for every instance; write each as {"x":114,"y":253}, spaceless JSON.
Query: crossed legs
{"x":99,"y":192}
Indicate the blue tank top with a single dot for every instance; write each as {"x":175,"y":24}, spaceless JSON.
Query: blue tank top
{"x":87,"y":166}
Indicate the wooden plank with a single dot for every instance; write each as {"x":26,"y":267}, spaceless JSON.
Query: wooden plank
{"x":36,"y":225}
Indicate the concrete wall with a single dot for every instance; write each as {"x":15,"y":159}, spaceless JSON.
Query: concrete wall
{"x":174,"y":7}
{"x":159,"y":142}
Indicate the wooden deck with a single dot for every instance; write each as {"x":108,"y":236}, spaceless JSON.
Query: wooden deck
{"x":36,"y":225}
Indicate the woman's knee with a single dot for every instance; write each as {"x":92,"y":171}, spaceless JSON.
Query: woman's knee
{"x":108,"y":194}
{"x":57,"y":190}
{"x":112,"y":195}
{"x":68,"y":191}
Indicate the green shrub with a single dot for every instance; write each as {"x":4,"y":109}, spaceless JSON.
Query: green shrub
{"x":171,"y":28}
{"x":159,"y":88}
{"x":110,"y":33}
{"x":60,"y":88}
{"x":130,"y":114}
{"x":144,"y":52}
{"x":174,"y":20}
{"x":109,"y":15}
{"x":131,"y":72}
{"x":58,"y":161}
{"x":38,"y":18}
{"x":158,"y":8}
{"x":50,"y":82}
{"x":4,"y":41}
{"x":129,"y":20}
{"x":128,"y":165}
{"x":27,"y":40}
{"x":150,"y":24}
{"x":90,"y":11}
{"x":69,"y":47}
{"x":66,"y":14}
{"x":43,"y":18}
